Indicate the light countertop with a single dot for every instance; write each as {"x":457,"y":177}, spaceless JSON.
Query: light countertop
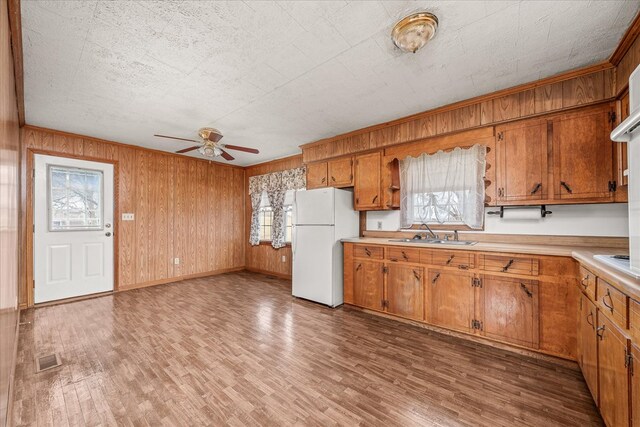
{"x":584,"y":255}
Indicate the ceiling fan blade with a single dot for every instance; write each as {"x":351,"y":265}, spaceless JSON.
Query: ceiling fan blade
{"x":239,"y":148}
{"x":186,"y":150}
{"x":214,"y":137}
{"x":174,"y":137}
{"x":227,"y":156}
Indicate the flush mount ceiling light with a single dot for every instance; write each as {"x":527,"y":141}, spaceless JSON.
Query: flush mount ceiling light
{"x":414,"y":31}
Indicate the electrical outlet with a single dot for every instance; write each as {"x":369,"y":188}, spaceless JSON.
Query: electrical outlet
{"x":284,"y":258}
{"x":176,"y":261}
{"x":379,"y":225}
{"x":128,"y":217}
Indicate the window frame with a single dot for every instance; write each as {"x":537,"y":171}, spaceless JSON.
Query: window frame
{"x":288,"y":224}
{"x":50,"y":194}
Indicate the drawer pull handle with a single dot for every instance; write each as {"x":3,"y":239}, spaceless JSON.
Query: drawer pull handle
{"x":566,"y":187}
{"x":610,"y":307}
{"x":463,"y":267}
{"x":404,"y":255}
{"x":506,"y":267}
{"x":358,"y":267}
{"x":526,"y":290}
{"x":333,"y":179}
{"x":367,"y":251}
{"x":590,"y":315}
{"x":435,"y":278}
{"x":416,"y":275}
{"x":600,"y":332}
{"x":374,"y":199}
{"x":585,"y":285}
{"x":450,"y":259}
{"x":323,"y":179}
{"x":536,"y":188}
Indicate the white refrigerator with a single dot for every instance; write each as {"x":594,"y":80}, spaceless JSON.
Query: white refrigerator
{"x":321,"y":218}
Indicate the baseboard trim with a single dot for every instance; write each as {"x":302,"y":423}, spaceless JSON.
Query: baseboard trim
{"x":139,"y":286}
{"x":179,"y":278}
{"x":268,"y":273}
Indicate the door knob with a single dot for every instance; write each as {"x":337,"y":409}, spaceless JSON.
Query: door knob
{"x":108,"y":234}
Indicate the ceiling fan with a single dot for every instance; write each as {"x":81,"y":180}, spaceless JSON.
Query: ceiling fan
{"x":210,"y":146}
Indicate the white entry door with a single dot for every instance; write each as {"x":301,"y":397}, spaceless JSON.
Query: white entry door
{"x":73,"y":234}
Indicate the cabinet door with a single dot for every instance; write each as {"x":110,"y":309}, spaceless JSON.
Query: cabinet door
{"x":613,"y":373}
{"x":405,"y":291}
{"x":508,"y":310}
{"x":368,"y":188}
{"x":449,"y":299}
{"x":368,"y":284}
{"x":340,"y":172}
{"x":521,"y":151}
{"x":587,"y":344}
{"x":635,"y":386}
{"x":583,"y":155}
{"x":621,"y":147}
{"x":316,"y":175}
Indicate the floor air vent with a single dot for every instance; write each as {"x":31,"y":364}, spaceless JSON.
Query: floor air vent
{"x":47,"y":362}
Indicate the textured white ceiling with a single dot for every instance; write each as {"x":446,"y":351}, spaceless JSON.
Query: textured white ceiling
{"x":274,"y":75}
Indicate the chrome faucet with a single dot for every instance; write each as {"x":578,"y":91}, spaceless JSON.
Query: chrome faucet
{"x":424,"y":224}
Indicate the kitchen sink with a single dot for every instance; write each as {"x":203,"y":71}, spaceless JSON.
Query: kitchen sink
{"x":435,"y":242}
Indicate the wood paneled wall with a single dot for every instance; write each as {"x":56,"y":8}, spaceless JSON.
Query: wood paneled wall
{"x":264,"y":258}
{"x":9,"y":209}
{"x":184,"y":208}
{"x":576,"y":88}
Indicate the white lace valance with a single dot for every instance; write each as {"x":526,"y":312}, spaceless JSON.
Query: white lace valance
{"x":290,"y":179}
{"x":445,"y":187}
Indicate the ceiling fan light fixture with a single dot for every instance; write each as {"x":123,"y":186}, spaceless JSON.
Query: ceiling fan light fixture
{"x":414,"y":31}
{"x":209,"y":151}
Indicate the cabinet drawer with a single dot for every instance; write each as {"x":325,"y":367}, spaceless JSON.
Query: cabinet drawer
{"x":634,"y":320}
{"x":373,"y":252}
{"x":613,"y":303}
{"x":403,"y":254}
{"x":462,"y":260}
{"x":588,"y":283}
{"x":506,"y":264}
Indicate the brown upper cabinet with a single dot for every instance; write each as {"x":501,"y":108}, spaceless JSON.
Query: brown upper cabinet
{"x":340,"y":172}
{"x":368,"y":182}
{"x":333,"y":173}
{"x":316,"y":175}
{"x":583,"y":155}
{"x":621,"y":147}
{"x":521,"y":157}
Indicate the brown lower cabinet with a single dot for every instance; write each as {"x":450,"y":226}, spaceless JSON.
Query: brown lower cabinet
{"x":454,"y":290}
{"x":509,"y":309}
{"x":635,"y":385}
{"x":607,"y":352}
{"x":449,"y":299}
{"x":404,"y":291}
{"x":588,"y":345}
{"x":613,"y":362}
{"x":368,"y":288}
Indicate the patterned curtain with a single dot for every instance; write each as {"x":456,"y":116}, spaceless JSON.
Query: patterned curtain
{"x":276,"y":185}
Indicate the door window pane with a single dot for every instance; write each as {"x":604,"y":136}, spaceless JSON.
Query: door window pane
{"x":75,"y":199}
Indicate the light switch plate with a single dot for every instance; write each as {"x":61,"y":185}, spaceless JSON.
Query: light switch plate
{"x":128,"y":217}
{"x":176,"y":261}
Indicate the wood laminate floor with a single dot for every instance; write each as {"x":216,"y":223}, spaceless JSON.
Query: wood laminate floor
{"x":237,"y":349}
